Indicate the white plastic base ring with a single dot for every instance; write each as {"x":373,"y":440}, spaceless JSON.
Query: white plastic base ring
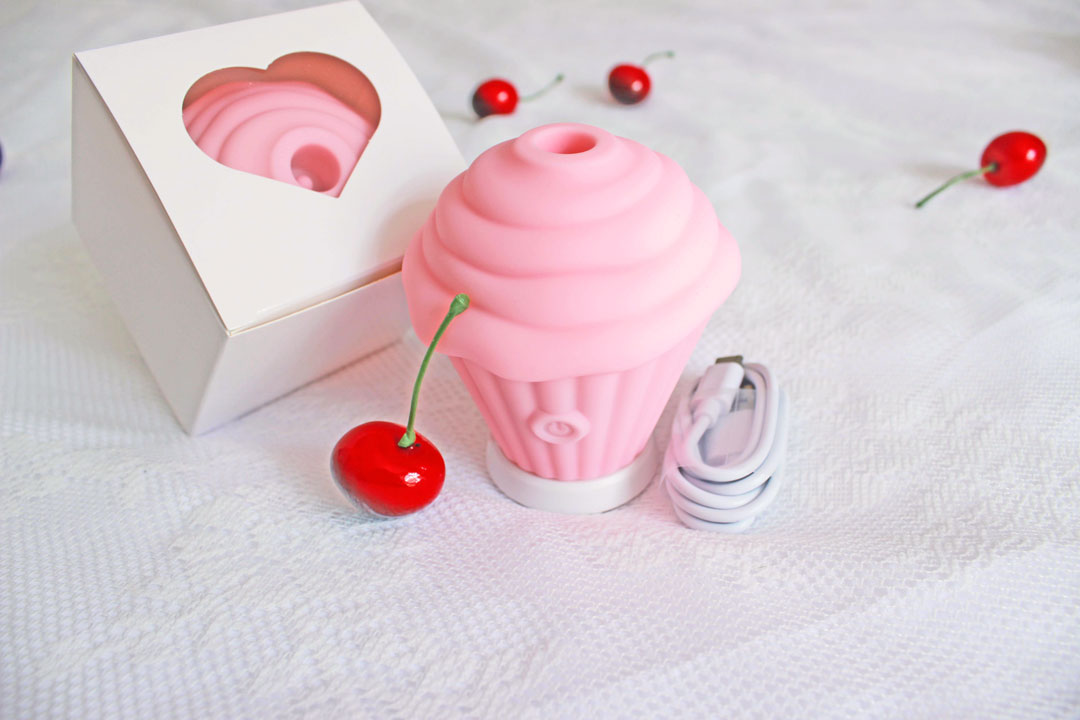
{"x":577,"y":497}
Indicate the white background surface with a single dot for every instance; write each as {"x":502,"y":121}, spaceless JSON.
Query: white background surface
{"x":921,"y":561}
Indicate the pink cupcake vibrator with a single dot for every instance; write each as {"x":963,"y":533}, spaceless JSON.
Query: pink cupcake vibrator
{"x":593,"y":265}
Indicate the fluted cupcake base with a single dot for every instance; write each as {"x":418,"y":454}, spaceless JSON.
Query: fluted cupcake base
{"x":577,"y":428}
{"x":581,"y":497}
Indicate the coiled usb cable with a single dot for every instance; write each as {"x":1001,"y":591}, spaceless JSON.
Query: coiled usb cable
{"x":727,"y":446}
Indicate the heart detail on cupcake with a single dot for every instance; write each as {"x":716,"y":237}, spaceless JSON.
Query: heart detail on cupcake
{"x":304,"y":120}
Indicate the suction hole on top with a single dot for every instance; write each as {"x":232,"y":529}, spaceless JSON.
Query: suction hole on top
{"x":315,"y":168}
{"x":566,"y":142}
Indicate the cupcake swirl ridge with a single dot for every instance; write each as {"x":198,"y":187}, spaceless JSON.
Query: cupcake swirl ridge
{"x":582,"y":253}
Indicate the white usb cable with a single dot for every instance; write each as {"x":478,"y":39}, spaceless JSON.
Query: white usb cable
{"x":727,"y":445}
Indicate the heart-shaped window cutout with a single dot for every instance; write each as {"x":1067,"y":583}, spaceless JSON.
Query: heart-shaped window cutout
{"x":304,"y":120}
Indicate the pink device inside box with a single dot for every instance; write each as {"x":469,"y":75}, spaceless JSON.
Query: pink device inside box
{"x":247,"y":191}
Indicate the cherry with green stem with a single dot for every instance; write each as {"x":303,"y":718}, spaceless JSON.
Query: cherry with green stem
{"x":1009,"y":159}
{"x":389,"y":469}
{"x":499,"y":97}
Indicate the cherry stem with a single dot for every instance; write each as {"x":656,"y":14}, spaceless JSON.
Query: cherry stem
{"x":992,"y":167}
{"x":657,"y":55}
{"x":457,"y":306}
{"x":558,"y":79}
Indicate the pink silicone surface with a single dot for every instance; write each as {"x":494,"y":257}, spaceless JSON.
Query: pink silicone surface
{"x":593,"y":264}
{"x":578,"y":427}
{"x":292,"y":131}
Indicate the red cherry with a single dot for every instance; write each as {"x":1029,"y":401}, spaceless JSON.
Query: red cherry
{"x":1009,"y":159}
{"x":390,"y":469}
{"x":1018,"y":155}
{"x":500,"y":97}
{"x":630,"y":84}
{"x":494,"y":97}
{"x":375,"y":472}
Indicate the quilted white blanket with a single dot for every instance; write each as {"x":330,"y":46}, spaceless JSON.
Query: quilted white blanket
{"x":922,"y":560}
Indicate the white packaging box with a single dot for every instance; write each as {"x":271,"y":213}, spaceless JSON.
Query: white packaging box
{"x":238,"y":288}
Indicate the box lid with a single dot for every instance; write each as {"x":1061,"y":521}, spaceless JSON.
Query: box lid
{"x":263,"y":248}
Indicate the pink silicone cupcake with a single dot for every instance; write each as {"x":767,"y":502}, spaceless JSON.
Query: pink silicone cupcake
{"x":593,"y":264}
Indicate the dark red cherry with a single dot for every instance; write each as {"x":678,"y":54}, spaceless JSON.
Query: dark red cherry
{"x":630,"y":84}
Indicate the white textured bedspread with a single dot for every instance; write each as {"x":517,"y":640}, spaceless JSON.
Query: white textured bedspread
{"x":921,"y":561}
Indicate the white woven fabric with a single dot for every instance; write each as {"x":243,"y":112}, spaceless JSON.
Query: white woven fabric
{"x":922,"y":561}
